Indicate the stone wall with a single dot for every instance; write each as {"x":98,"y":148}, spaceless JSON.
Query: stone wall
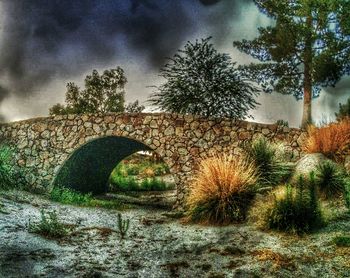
{"x":44,"y":144}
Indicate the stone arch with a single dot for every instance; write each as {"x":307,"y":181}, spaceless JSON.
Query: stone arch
{"x":88,"y":168}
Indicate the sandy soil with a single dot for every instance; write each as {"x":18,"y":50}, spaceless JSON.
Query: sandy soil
{"x":158,"y":245}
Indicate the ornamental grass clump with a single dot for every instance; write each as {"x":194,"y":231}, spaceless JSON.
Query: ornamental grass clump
{"x":333,"y":140}
{"x":222,"y":190}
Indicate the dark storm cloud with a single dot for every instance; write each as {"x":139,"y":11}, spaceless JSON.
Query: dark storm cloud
{"x":43,"y":40}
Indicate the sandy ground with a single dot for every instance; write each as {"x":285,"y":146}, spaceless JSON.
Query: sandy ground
{"x":158,"y":245}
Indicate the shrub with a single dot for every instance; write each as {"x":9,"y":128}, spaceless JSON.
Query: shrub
{"x":69,"y":196}
{"x":221,"y":190}
{"x":330,"y":179}
{"x":333,"y":140}
{"x":49,"y":226}
{"x":263,"y":154}
{"x":298,"y":211}
{"x":342,"y":241}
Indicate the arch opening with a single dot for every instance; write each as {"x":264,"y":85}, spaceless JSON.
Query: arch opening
{"x":89,"y":167}
{"x":107,"y":165}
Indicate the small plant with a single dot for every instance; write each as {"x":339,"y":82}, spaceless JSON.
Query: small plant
{"x":123,"y":226}
{"x":49,"y":226}
{"x":121,"y":183}
{"x":342,"y":241}
{"x":154,"y":184}
{"x":221,"y":190}
{"x":330,"y":179}
{"x":332,"y":140}
{"x":271,"y":171}
{"x":298,"y":211}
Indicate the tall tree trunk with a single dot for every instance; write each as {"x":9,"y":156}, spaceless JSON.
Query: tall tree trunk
{"x":307,"y":118}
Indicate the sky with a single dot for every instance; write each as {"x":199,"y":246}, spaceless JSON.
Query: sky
{"x":46,"y":43}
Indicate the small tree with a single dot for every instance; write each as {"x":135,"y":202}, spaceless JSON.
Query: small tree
{"x":201,"y":81}
{"x":134,"y":107}
{"x":102,"y":93}
{"x":307,"y":48}
{"x":344,"y":110}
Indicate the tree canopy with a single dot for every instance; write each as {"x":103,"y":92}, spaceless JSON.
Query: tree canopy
{"x":102,"y":93}
{"x":201,"y":81}
{"x":307,"y":48}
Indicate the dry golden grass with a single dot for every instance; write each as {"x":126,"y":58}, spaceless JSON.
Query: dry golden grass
{"x":264,"y":203}
{"x":333,"y":140}
{"x":278,"y":260}
{"x":221,"y":189}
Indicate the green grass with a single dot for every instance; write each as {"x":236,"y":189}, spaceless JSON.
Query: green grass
{"x":71,"y":197}
{"x":121,"y":183}
{"x":49,"y":226}
{"x":342,"y":241}
{"x":346,"y":192}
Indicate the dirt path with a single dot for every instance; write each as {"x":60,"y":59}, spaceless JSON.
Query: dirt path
{"x":157,"y":246}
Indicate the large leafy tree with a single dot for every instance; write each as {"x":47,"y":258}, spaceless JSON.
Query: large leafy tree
{"x":102,"y":93}
{"x":307,"y":48}
{"x":201,"y":81}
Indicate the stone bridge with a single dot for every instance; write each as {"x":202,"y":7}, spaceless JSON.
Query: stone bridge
{"x":80,"y":151}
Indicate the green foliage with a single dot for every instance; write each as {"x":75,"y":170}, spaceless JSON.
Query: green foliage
{"x":49,"y":226}
{"x":282,"y":123}
{"x":7,"y":173}
{"x":123,"y":226}
{"x":305,"y":48}
{"x":134,"y":107}
{"x":346,"y":192}
{"x":121,"y":183}
{"x":330,"y":179}
{"x":344,"y":110}
{"x":11,"y":176}
{"x":153,"y":184}
{"x":271,"y":170}
{"x":69,"y":196}
{"x":298,"y":211}
{"x":102,"y":93}
{"x":342,"y":241}
{"x":201,"y":81}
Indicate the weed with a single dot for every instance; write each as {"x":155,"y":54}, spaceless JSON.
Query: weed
{"x":49,"y":226}
{"x":342,"y":241}
{"x":221,"y":190}
{"x":123,"y":226}
{"x":298,"y":211}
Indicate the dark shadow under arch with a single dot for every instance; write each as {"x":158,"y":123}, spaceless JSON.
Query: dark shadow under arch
{"x":88,"y":168}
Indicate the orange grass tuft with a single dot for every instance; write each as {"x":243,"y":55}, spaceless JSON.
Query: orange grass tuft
{"x":221,"y":190}
{"x":332,"y":140}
